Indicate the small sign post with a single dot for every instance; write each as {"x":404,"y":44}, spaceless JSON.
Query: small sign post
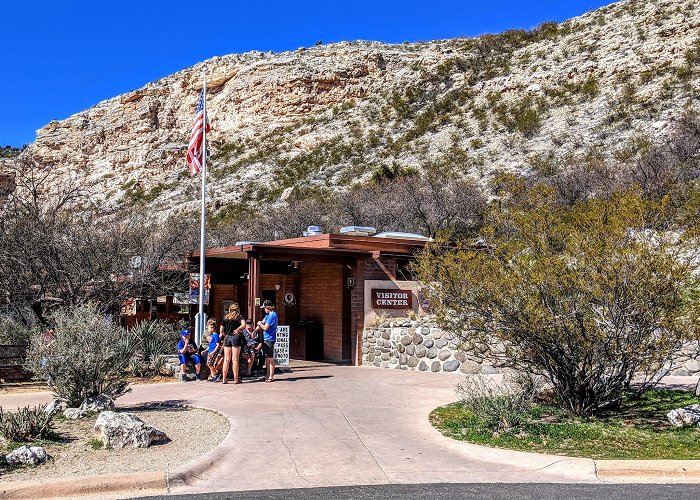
{"x":282,"y":347}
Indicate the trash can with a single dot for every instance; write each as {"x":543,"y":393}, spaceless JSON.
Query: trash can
{"x":313,"y":339}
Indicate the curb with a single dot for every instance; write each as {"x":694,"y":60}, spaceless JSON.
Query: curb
{"x":188,"y":474}
{"x":649,"y":471}
{"x":153,"y":482}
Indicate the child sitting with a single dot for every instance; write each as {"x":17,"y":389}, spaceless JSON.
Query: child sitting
{"x":187,"y":351}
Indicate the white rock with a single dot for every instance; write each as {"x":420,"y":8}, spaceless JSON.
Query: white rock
{"x":74,"y":413}
{"x":689,"y":415}
{"x":27,"y":455}
{"x":54,"y":407}
{"x":98,"y":403}
{"x":118,"y":430}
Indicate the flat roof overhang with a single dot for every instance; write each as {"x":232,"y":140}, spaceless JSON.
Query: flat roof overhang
{"x":332,"y":246}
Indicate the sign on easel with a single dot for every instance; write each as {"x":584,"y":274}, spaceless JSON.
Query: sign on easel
{"x":282,"y":346}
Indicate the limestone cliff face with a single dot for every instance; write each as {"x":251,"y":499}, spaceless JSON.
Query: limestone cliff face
{"x":330,"y":115}
{"x":142,"y":135}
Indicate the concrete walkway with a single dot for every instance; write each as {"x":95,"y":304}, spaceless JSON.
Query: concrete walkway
{"x":326,"y":425}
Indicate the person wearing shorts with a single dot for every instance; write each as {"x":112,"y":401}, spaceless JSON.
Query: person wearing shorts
{"x":215,"y":352}
{"x":269,"y":327}
{"x":187,"y":351}
{"x":231,"y":328}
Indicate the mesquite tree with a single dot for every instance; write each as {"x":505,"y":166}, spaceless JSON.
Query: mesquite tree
{"x":590,"y":296}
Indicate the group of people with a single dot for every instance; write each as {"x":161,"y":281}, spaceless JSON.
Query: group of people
{"x":234,"y":339}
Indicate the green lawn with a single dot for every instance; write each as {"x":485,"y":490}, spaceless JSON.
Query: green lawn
{"x":639,"y":430}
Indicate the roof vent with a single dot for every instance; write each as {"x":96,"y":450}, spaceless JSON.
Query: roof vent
{"x":403,"y":236}
{"x":358,"y":230}
{"x":312,"y":231}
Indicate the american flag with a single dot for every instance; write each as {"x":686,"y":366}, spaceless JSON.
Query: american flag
{"x":194,"y":150}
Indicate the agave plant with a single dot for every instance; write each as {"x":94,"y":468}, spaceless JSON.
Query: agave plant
{"x":151,"y":341}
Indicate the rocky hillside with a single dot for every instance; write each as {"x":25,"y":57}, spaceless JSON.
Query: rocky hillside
{"x":329,"y":116}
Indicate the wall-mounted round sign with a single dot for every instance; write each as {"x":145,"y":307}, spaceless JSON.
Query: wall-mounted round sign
{"x":289,"y":299}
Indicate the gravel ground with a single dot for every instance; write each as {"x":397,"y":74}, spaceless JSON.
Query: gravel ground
{"x":74,"y":456}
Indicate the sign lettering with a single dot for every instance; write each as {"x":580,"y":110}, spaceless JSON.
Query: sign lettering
{"x":282,"y":346}
{"x":392,"y":299}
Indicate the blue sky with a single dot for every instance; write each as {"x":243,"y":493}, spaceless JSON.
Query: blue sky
{"x":60,"y":57}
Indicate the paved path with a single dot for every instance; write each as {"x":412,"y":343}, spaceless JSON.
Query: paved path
{"x":342,"y":425}
{"x":335,"y":426}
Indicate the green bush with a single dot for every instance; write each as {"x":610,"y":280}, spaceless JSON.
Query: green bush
{"x":524,"y":116}
{"x":500,"y":406}
{"x":88,"y":356}
{"x":588,"y":296}
{"x":13,"y":332}
{"x":26,"y":424}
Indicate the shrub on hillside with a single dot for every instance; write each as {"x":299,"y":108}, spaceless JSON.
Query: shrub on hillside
{"x":87,"y":356}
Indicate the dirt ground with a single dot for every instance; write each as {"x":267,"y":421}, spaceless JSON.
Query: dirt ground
{"x":192,"y":432}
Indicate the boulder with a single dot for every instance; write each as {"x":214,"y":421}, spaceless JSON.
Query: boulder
{"x":27,"y":455}
{"x":74,"y":413}
{"x":688,"y":415}
{"x":101,"y":402}
{"x":428,"y":343}
{"x":118,"y":430}
{"x":54,"y":407}
{"x":421,"y":351}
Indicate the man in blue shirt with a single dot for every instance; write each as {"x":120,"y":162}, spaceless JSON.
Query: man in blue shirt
{"x":187,"y":351}
{"x":269,"y":327}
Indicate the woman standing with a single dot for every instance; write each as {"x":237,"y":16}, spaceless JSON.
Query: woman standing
{"x":231,"y":328}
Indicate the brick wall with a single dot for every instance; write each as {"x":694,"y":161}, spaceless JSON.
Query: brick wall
{"x":222,"y":292}
{"x":320,"y":299}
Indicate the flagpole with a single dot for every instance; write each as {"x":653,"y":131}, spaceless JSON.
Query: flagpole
{"x":201,"y":318}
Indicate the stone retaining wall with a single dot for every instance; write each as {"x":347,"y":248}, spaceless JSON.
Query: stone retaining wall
{"x":422,"y":345}
{"x":410,"y":345}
